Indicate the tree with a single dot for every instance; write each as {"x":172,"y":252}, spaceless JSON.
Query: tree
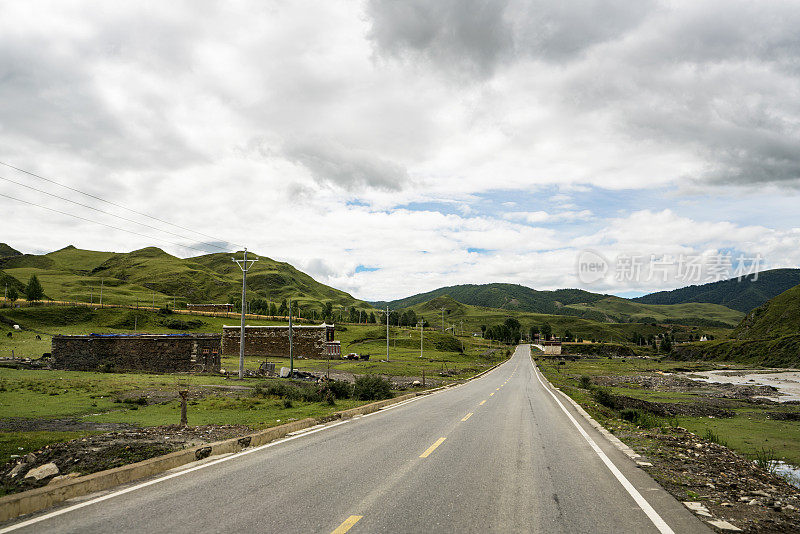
{"x":547,"y":331}
{"x":666,"y":344}
{"x":512,"y":323}
{"x":567,"y":335}
{"x":534,"y":331}
{"x":327,"y":312}
{"x":34,"y":291}
{"x":284,"y":309}
{"x":12,"y":294}
{"x":483,"y":330}
{"x":371,"y":317}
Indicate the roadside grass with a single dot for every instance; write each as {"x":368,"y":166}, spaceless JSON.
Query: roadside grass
{"x":257,"y":413}
{"x":750,"y":430}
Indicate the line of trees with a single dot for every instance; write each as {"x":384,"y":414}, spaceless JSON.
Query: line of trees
{"x":34,"y":292}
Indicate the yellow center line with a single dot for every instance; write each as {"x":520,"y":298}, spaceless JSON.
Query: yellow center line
{"x":492,"y":393}
{"x":482,"y":402}
{"x":432,"y":448}
{"x":467,"y":417}
{"x":347,"y":524}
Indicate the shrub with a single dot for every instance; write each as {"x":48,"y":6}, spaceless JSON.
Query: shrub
{"x":640,"y":418}
{"x":586,"y":382}
{"x":340,"y":389}
{"x":604,"y":397}
{"x":372,"y":387}
{"x":287,"y":403}
{"x":766,"y":460}
{"x":712,"y":436}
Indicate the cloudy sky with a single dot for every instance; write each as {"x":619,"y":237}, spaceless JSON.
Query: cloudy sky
{"x":389,"y":147}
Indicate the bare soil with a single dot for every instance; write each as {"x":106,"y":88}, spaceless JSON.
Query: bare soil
{"x":105,"y":451}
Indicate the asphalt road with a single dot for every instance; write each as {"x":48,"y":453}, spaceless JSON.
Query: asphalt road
{"x":498,"y":454}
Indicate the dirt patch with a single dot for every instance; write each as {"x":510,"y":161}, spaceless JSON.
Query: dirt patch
{"x":109,"y":450}
{"x":671,"y":409}
{"x":732,"y":487}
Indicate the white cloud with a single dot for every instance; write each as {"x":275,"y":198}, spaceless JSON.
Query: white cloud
{"x":307,"y":130}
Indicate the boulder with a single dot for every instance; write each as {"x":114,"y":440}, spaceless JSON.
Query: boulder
{"x":43,"y":471}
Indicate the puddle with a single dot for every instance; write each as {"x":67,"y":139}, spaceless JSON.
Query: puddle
{"x":789,"y":472}
{"x":786,"y":382}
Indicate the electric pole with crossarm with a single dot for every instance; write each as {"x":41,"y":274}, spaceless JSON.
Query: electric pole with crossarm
{"x":245,"y":265}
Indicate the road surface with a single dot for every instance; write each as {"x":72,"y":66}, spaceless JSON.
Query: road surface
{"x":498,"y":454}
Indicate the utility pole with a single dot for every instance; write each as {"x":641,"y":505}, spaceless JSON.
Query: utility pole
{"x":442,"y":318}
{"x":291,"y":346}
{"x":244,"y":265}
{"x":387,"y":333}
{"x":154,"y":300}
{"x":421,"y":326}
{"x":101,"y":292}
{"x":91,"y":296}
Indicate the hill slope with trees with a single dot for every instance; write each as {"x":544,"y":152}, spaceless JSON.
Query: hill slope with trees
{"x":741,"y":295}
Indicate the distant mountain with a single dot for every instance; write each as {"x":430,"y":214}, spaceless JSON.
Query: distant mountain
{"x":76,"y":275}
{"x":738,"y":295}
{"x":502,"y":296}
{"x":779,"y":317}
{"x":573,"y":302}
{"x":6,"y":251}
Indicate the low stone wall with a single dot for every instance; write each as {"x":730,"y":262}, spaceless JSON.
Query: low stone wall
{"x":273,"y":341}
{"x":143,"y":352}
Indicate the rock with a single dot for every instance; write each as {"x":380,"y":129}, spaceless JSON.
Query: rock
{"x":68,"y":476}
{"x":202,"y":452}
{"x":43,"y":471}
{"x":726,"y":504}
{"x":724,"y":525}
{"x":753,"y":502}
{"x":760,"y":493}
{"x":30,"y":458}
{"x":17,"y":469}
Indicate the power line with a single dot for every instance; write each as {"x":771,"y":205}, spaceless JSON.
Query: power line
{"x":112,"y":203}
{"x":102,"y":224}
{"x":105,"y":212}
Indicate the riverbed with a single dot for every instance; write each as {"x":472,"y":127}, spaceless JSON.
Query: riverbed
{"x":787,"y":382}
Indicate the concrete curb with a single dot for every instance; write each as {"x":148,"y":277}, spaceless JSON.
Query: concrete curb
{"x":30,"y":501}
{"x":630,"y":453}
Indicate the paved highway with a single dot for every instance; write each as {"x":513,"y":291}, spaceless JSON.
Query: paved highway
{"x":498,"y":454}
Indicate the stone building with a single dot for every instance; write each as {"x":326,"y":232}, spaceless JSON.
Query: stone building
{"x":314,"y":342}
{"x":215,"y":308}
{"x":159,"y":353}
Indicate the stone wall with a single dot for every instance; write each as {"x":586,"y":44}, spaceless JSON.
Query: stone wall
{"x":273,"y":341}
{"x":138,"y":352}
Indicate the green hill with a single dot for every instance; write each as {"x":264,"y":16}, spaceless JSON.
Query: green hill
{"x":573,"y":302}
{"x":73,"y":274}
{"x":6,"y":251}
{"x":777,"y":318}
{"x":468,"y":318}
{"x":741,"y":295}
{"x":504,"y":296}
{"x":617,"y":309}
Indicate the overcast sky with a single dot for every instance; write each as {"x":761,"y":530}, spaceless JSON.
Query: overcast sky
{"x":389,"y":148}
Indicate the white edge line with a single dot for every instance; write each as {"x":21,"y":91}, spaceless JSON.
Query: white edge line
{"x":301,"y":434}
{"x":656,"y":519}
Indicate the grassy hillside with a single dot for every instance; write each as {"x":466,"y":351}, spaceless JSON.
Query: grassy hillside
{"x":618,"y":309}
{"x":504,"y":296}
{"x":576,"y":303}
{"x":778,"y":317}
{"x":470,"y":318}
{"x":777,"y":352}
{"x":73,"y":274}
{"x":739,"y":295}
{"x":6,"y":251}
